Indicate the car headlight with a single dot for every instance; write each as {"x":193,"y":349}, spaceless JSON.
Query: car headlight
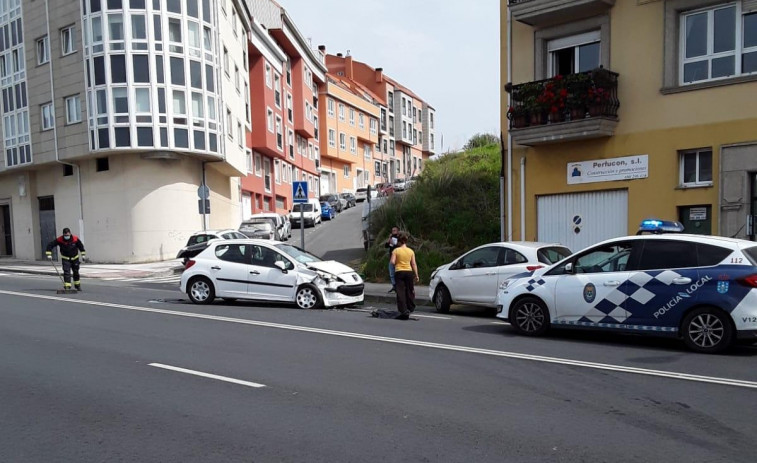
{"x":327,"y":277}
{"x":433,"y":274}
{"x":505,"y":284}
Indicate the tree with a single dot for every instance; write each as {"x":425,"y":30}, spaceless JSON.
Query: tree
{"x":481,"y":139}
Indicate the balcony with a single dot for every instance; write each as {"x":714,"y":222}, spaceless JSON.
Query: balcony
{"x":541,"y":13}
{"x":564,"y":108}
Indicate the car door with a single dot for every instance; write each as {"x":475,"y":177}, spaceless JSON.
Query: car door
{"x":268,"y":282}
{"x":230,"y":270}
{"x":665,"y":283}
{"x":594,"y":290}
{"x":474,"y":277}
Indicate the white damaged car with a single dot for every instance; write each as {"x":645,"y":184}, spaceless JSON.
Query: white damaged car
{"x":270,"y":271}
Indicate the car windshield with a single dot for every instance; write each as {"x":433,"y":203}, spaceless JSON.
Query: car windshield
{"x":300,"y":255}
{"x":302,"y":207}
{"x":553,"y":254}
{"x":256,"y":225}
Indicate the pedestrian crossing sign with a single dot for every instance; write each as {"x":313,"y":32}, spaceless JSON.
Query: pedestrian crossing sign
{"x":300,"y":192}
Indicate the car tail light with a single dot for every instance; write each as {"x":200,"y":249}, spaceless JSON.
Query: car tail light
{"x":531,"y":268}
{"x":750,"y":281}
{"x":190,"y":263}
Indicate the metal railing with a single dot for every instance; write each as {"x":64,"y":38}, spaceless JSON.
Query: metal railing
{"x":565,"y":98}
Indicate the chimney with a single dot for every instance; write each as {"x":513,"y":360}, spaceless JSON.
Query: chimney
{"x":379,"y":75}
{"x":322,"y":48}
{"x":339,"y":55}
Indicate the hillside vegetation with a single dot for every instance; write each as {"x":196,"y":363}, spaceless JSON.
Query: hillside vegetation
{"x":453,"y":207}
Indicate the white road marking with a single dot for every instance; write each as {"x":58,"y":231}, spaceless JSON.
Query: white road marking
{"x":206,"y":375}
{"x":410,"y":342}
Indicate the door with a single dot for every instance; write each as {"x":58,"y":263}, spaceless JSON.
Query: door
{"x":268,"y":282}
{"x":578,"y":220}
{"x":47,"y":226}
{"x":246,"y":206}
{"x":696,"y":220}
{"x":668,"y":281}
{"x":6,"y":238}
{"x":474,"y":277}
{"x":594,"y":291}
{"x":231,"y":271}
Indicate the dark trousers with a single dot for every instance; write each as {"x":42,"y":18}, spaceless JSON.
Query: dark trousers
{"x":405,"y":291}
{"x":68,"y":266}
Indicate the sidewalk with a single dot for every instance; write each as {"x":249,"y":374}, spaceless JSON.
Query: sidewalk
{"x":374,"y":292}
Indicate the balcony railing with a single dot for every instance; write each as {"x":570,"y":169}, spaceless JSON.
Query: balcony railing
{"x":562,"y":103}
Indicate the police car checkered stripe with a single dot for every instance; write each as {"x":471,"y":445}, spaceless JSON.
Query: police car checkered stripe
{"x":666,"y":329}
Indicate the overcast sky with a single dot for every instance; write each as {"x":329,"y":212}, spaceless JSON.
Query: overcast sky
{"x":446,"y":52}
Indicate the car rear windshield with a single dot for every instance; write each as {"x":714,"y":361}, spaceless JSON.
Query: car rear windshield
{"x":248,"y":226}
{"x":751,"y":254}
{"x":553,"y":254}
{"x":302,"y":207}
{"x":360,"y":190}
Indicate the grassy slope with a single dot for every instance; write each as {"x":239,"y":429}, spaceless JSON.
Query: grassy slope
{"x":452,"y":208}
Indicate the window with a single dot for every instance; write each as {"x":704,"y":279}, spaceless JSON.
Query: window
{"x":577,"y":53}
{"x":277,"y":171}
{"x":342,"y":141}
{"x":267,"y":174}
{"x":330,"y":107}
{"x":240,"y":135}
{"x":390,"y":102}
{"x":268,"y":80}
{"x":377,"y":168}
{"x":67,"y":40}
{"x":332,"y":138}
{"x":290,"y":108}
{"x":341,"y":112}
{"x":43,"y":50}
{"x":269,"y":120}
{"x":361,"y":120}
{"x":696,"y":168}
{"x":352,"y":117}
{"x":73,"y":109}
{"x":374,"y":125}
{"x":717,"y":43}
{"x":277,"y":90}
{"x":48,"y":117}
{"x":226,"y":60}
{"x":481,"y":258}
{"x":353,"y":145}
{"x":236,"y":77}
{"x":279,"y":134}
{"x":347,"y":171}
{"x":609,"y":258}
{"x":666,"y":254}
{"x":102,"y":164}
{"x":258,"y":165}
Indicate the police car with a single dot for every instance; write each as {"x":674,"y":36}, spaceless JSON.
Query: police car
{"x":702,"y":289}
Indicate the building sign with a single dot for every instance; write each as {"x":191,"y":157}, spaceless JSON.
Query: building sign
{"x":698,"y":213}
{"x":608,"y":170}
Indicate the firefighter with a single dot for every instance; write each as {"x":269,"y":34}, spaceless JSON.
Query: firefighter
{"x":71,"y":252}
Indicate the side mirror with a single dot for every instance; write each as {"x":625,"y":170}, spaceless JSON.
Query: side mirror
{"x":281,"y":266}
{"x":569,"y":268}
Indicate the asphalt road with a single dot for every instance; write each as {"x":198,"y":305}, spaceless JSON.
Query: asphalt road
{"x":113,"y":374}
{"x":338,"y":239}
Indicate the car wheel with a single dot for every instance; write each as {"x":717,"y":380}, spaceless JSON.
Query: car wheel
{"x":442,"y":299}
{"x":307,"y":297}
{"x":200,"y":291}
{"x":529,"y":316}
{"x":707,"y":330}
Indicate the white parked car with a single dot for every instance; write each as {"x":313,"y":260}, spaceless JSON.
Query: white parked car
{"x":474,"y":277}
{"x":361,"y":194}
{"x":269,"y":271}
{"x":310,"y":212}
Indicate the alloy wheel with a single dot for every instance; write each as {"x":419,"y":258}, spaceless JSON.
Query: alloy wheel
{"x":530,"y":317}
{"x":706,"y":330}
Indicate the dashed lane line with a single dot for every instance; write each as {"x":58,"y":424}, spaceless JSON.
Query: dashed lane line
{"x":206,"y":375}
{"x":409,"y":342}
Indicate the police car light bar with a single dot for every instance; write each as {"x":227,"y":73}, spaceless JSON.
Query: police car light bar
{"x":660,"y":226}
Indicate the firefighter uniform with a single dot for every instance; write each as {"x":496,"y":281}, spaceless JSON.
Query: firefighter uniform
{"x":71,"y":249}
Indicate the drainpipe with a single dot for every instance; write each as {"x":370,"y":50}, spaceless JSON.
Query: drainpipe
{"x":523,"y":198}
{"x":55,"y":127}
{"x":509,"y":136}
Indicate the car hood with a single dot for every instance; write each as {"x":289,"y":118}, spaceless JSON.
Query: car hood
{"x":331,"y":266}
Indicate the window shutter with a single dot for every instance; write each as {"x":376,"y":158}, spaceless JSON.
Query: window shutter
{"x":748,"y":6}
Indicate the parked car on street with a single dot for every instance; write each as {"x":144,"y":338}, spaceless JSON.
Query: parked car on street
{"x":398,"y":184}
{"x":261,"y":229}
{"x":327,"y":212}
{"x":385,"y":189}
{"x":310,"y":212}
{"x":283,"y":228}
{"x":361,"y":194}
{"x":474,"y":277}
{"x":269,"y":271}
{"x":350,"y":198}
{"x":701,"y":289}
{"x":199,"y":241}
{"x":333,"y":200}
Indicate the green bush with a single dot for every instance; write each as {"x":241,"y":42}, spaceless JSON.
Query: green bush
{"x":451,"y":208}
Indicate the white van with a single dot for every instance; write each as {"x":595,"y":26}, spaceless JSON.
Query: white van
{"x":311,"y":213}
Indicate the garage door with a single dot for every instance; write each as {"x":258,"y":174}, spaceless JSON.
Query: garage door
{"x":578,"y":220}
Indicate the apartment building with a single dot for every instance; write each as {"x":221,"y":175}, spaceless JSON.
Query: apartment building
{"x":286,"y":75}
{"x":618,"y":111}
{"x":349,"y":120}
{"x":115,"y":114}
{"x":406,"y":122}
